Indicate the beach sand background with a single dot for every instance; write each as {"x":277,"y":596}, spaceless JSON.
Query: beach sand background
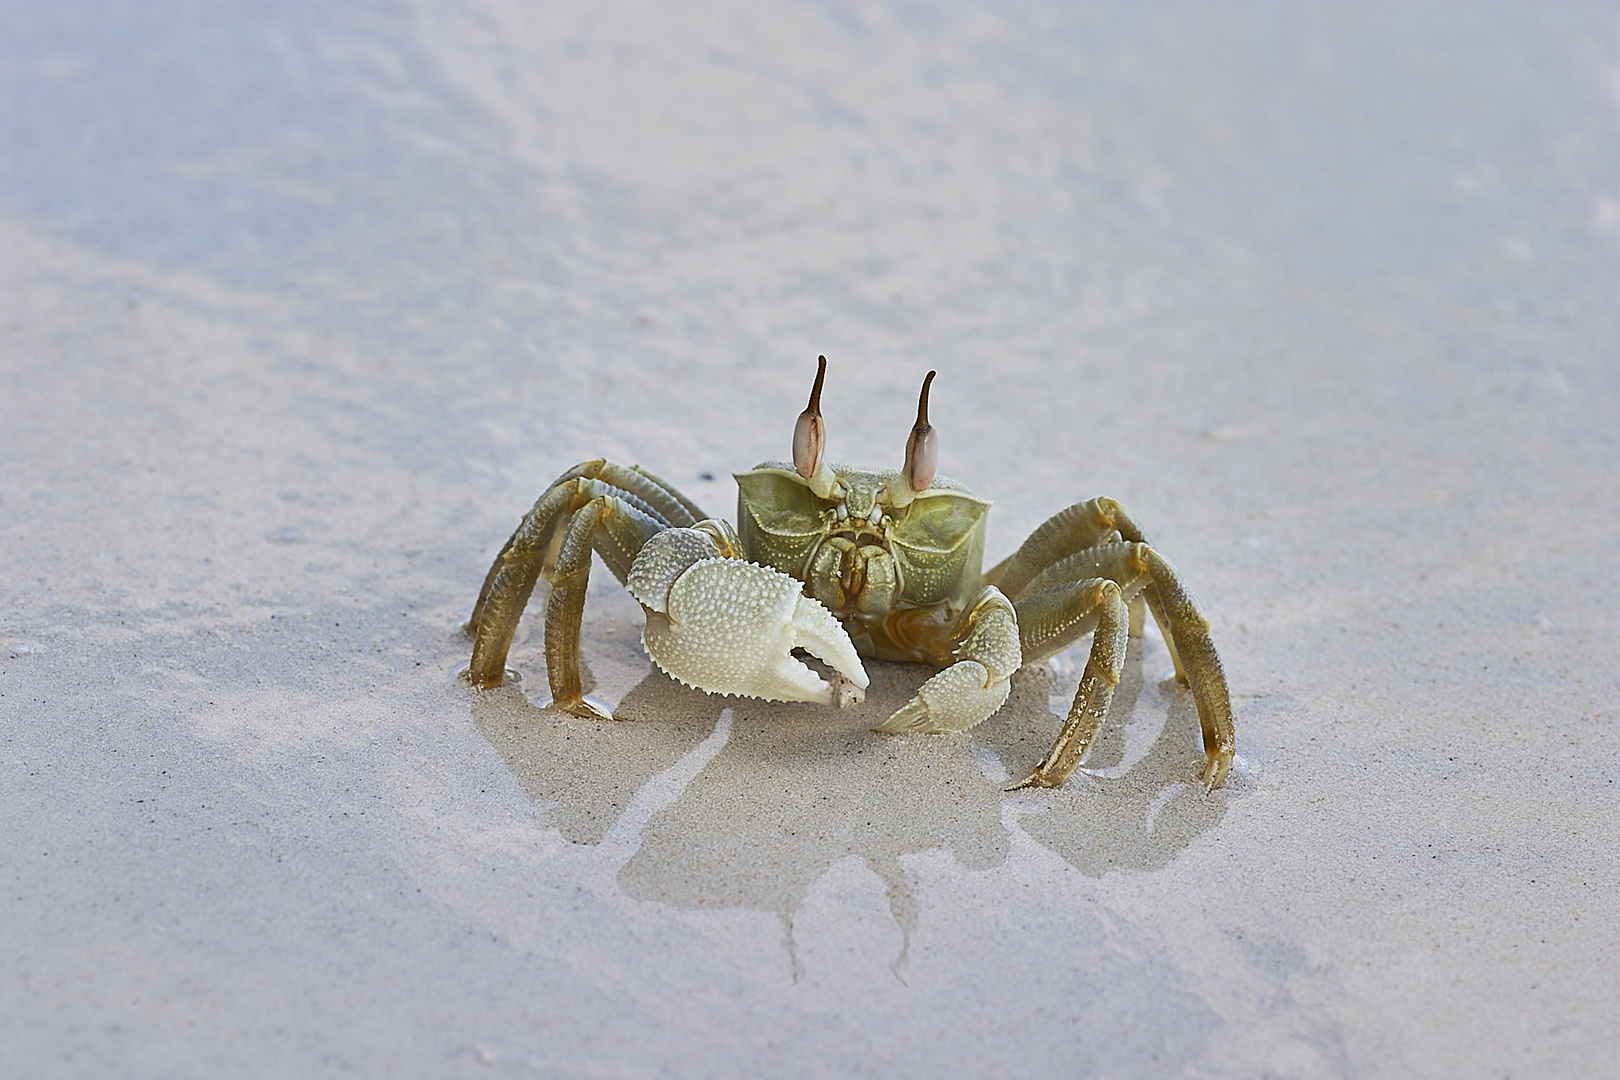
{"x":301,"y":306}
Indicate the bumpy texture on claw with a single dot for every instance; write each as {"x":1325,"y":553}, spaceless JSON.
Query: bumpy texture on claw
{"x":729,"y":627}
{"x":960,"y":697}
{"x":968,"y":692}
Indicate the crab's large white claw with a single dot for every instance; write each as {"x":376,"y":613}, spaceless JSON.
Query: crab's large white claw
{"x":729,"y":627}
{"x":962,"y":696}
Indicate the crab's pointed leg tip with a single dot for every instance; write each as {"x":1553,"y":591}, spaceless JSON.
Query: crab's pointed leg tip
{"x":583,"y":708}
{"x":1215,"y":770}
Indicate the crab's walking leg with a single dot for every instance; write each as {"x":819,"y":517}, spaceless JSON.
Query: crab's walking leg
{"x":640,"y":488}
{"x":606,"y":524}
{"x":985,"y":647}
{"x":1205,"y":676}
{"x":597,"y":505}
{"x":1080,"y":593}
{"x":1069,"y":530}
{"x":1064,"y":613}
{"x":1084,"y":536}
{"x":1073,"y":529}
{"x":596,"y":520}
{"x":1192,"y":649}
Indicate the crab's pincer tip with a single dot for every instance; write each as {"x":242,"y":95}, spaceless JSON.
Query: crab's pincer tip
{"x":845,"y":693}
{"x":816,"y":631}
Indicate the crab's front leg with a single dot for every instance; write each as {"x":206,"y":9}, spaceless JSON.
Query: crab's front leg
{"x":985,"y":647}
{"x":720,"y":624}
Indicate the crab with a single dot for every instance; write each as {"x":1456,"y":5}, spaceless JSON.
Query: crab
{"x":842,"y":562}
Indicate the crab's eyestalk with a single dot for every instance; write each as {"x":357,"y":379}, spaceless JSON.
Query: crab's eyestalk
{"x":922,"y":449}
{"x":810,"y":434}
{"x":810,"y":438}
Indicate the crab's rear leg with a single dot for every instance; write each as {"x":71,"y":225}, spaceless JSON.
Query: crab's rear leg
{"x":1202,"y":665}
{"x":616,"y":530}
{"x":1074,"y":544}
{"x":1086,"y":592}
{"x":539,"y":528}
{"x":1076,"y":528}
{"x":576,"y":516}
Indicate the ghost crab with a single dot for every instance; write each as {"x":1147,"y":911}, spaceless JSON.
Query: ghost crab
{"x":845,"y":562}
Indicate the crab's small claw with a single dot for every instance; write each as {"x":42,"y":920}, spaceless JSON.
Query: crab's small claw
{"x":730,"y":627}
{"x":972,"y":689}
{"x":960,"y":697}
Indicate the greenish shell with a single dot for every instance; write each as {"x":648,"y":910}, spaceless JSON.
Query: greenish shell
{"x":936,"y":540}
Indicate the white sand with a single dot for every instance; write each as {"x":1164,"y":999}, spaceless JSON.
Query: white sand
{"x":301,"y":307}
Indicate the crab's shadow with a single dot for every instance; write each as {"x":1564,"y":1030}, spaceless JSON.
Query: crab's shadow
{"x":1106,"y":817}
{"x":797,"y":788}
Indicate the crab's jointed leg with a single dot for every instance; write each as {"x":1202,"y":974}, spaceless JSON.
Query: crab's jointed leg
{"x":596,"y":506}
{"x":714,"y":621}
{"x":654,"y":497}
{"x":1073,"y":529}
{"x":1064,"y":613}
{"x":984,"y":646}
{"x":1101,"y":539}
{"x":1202,"y":666}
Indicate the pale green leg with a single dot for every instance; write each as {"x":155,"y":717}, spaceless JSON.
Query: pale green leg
{"x":660,"y":496}
{"x":585,"y":510}
{"x":605,"y":524}
{"x":566,"y":494}
{"x":1204,"y":674}
{"x":1046,"y":626}
{"x":1068,"y":539}
{"x":1070,"y":530}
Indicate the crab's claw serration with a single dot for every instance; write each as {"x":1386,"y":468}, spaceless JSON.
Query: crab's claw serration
{"x":729,"y":627}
